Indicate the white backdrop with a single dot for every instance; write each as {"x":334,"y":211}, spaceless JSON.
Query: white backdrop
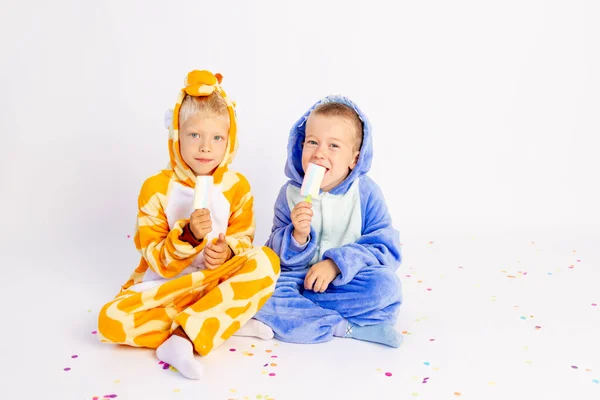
{"x":485,"y":114}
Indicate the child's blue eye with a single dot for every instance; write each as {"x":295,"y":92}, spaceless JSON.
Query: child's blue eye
{"x":334,"y":145}
{"x":218,"y":137}
{"x":194,"y":135}
{"x":311,"y":142}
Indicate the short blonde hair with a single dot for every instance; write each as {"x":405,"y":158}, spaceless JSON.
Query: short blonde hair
{"x":211,"y":104}
{"x":343,"y":111}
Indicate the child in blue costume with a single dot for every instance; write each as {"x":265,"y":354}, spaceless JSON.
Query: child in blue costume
{"x":339,"y":253}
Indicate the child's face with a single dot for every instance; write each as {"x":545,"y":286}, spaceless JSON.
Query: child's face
{"x":330,"y":142}
{"x":203,"y":142}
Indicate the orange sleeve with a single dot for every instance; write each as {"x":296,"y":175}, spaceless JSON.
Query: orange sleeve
{"x":241,"y":226}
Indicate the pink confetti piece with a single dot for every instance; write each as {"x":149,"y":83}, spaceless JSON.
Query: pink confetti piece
{"x":74,"y":356}
{"x":460,"y":267}
{"x":232,"y":350}
{"x":128,"y":236}
{"x":94,"y":332}
{"x":272,"y":374}
{"x":388,"y":374}
{"x":67,"y":369}
{"x":429,"y":289}
{"x":594,"y":305}
{"x":432,"y":340}
{"x":267,"y":364}
{"x":110,"y":396}
{"x":273,"y":356}
{"x":574,"y":367}
{"x":538,"y":327}
{"x":578,"y":260}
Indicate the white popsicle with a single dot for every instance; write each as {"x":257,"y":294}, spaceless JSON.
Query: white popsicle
{"x":312,"y":181}
{"x":202,"y":191}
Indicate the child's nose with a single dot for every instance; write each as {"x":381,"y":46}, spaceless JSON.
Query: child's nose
{"x":205,"y":146}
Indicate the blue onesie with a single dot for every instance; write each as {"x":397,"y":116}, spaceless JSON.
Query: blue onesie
{"x":351,"y":226}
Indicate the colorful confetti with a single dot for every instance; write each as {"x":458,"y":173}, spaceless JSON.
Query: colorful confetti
{"x":232,"y":350}
{"x":537,"y":327}
{"x":94,"y":332}
{"x":272,"y":374}
{"x":596,"y":381}
{"x":457,"y":394}
{"x":388,"y":374}
{"x":426,"y":363}
{"x":574,"y":366}
{"x":67,"y":369}
{"x":594,"y":305}
{"x":74,"y":356}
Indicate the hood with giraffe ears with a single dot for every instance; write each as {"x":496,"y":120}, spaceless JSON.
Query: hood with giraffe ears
{"x":199,"y":83}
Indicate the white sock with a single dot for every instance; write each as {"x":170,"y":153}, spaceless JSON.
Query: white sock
{"x":179,"y":352}
{"x":255,"y":328}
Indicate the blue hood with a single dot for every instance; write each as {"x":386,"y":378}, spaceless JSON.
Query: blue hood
{"x":293,"y":166}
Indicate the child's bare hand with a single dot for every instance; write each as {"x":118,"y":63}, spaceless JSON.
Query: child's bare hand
{"x":217,"y":253}
{"x":200,"y":223}
{"x":320,"y":275}
{"x":301,"y":217}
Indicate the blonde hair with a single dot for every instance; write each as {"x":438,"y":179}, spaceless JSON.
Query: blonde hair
{"x":211,"y":104}
{"x":343,"y":111}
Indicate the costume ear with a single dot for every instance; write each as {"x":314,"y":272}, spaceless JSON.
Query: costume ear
{"x":219,"y":77}
{"x":168,"y":118}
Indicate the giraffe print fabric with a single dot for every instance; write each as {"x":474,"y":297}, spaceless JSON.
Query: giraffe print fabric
{"x":171,"y":287}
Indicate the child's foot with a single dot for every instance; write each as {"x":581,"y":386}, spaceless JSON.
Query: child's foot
{"x":255,"y":328}
{"x":382,"y":333}
{"x":179,"y":352}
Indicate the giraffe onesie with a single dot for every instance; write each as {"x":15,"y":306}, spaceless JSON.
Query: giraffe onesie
{"x":171,"y":287}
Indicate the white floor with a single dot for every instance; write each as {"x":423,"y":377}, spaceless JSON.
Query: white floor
{"x":500,"y":316}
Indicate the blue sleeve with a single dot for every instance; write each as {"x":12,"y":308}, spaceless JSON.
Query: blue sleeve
{"x":281,"y":241}
{"x":379,"y":243}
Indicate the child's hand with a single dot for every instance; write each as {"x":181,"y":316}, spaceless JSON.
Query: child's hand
{"x":217,"y":253}
{"x":301,"y":217}
{"x":320,"y":275}
{"x":200,"y":223}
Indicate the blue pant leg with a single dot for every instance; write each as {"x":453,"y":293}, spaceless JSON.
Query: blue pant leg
{"x":372,"y":297}
{"x":293,"y":317}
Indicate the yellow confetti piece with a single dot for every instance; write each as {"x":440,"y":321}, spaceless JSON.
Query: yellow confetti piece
{"x":529,"y":362}
{"x":232,"y":390}
{"x":491,"y":383}
{"x":252,"y":346}
{"x":457,"y":394}
{"x":264,"y":372}
{"x":415,"y":394}
{"x":415,"y":378}
{"x":117,"y":381}
{"x":378,"y":369}
{"x":177,"y":390}
{"x":436,"y":369}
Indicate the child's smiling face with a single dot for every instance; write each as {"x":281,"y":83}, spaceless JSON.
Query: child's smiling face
{"x":331,"y":143}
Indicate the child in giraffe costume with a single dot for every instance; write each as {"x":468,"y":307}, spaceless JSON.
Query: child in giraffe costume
{"x":199,"y":279}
